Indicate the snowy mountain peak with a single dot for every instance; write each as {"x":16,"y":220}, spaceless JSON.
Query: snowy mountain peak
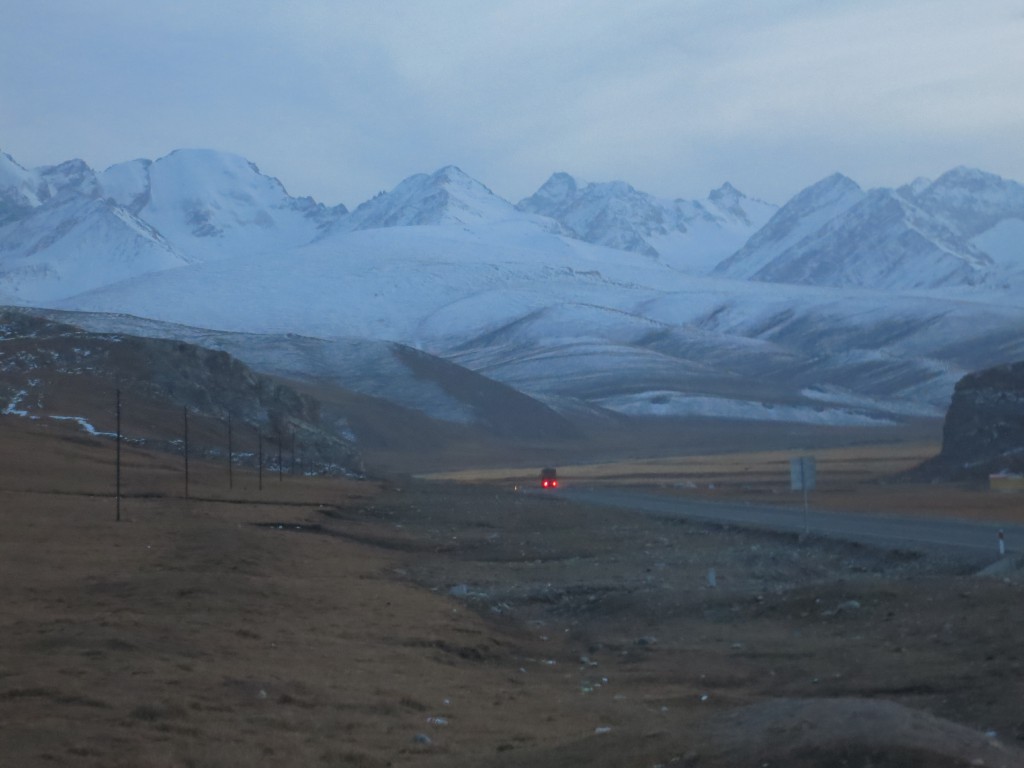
{"x":218,"y":179}
{"x":447,"y":196}
{"x":609,"y":213}
{"x":798,"y":220}
{"x":463,"y":188}
{"x":836,"y":184}
{"x":22,"y":190}
{"x":960,"y":230}
{"x":726,"y":192}
{"x":973,"y":201}
{"x":19,"y":189}
{"x":882,"y":242}
{"x":690,"y":235}
{"x":558,"y":189}
{"x":452,"y":174}
{"x":127,"y":184}
{"x":212,"y":204}
{"x":71,"y":174}
{"x":729,"y":200}
{"x":970,"y":185}
{"x":964,"y":177}
{"x":830,"y":195}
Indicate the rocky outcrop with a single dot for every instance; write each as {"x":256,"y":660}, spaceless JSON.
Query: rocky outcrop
{"x":984,"y":428}
{"x":56,"y":373}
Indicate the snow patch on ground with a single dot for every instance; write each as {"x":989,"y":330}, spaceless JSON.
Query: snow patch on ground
{"x":85,"y":425}
{"x":678,"y":404}
{"x":834,"y":396}
{"x":12,"y":407}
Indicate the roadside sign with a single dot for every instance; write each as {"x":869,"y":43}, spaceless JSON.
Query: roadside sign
{"x":802,"y":473}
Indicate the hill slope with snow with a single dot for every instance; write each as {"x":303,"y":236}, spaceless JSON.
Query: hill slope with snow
{"x":575,"y":327}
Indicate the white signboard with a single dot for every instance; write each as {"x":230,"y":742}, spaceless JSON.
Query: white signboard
{"x":802,"y":473}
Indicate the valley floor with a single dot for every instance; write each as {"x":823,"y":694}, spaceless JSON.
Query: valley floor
{"x":344,"y":623}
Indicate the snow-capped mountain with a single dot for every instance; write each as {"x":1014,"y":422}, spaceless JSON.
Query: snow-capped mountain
{"x":985,"y":210}
{"x":211,"y":204}
{"x":58,"y":234}
{"x":881,"y":242}
{"x":961,"y":230}
{"x":447,"y":196}
{"x":19,"y":189}
{"x":866,"y":332}
{"x":972,"y":202}
{"x":65,"y":228}
{"x":73,"y":243}
{"x":690,"y":235}
{"x":797,"y":221}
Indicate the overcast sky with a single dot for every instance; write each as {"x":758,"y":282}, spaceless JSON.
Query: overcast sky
{"x":343,"y":98}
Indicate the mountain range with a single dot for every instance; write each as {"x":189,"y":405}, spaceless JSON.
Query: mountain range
{"x":595,"y":300}
{"x":961,"y":230}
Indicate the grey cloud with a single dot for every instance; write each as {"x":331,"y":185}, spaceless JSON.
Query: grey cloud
{"x":343,"y":99}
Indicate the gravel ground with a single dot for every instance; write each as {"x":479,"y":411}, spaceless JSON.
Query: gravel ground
{"x":723,"y":625}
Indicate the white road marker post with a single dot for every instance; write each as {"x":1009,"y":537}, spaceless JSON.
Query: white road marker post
{"x":1002,"y":543}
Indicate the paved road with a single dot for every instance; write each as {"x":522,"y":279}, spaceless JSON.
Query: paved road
{"x":912,"y":533}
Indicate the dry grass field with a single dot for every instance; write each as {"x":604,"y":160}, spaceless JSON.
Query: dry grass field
{"x":863,"y":478}
{"x":764,"y":471}
{"x":359,"y":623}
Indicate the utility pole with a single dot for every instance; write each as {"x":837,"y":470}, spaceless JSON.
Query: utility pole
{"x":280,"y":464}
{"x":259,"y":461}
{"x":185,"y":409}
{"x":230,"y":458}
{"x":117,"y":494}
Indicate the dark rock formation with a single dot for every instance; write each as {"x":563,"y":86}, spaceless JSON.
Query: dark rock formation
{"x":984,"y":428}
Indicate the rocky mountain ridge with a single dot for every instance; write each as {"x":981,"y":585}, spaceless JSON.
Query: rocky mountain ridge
{"x":689,"y":234}
{"x":959,"y":230}
{"x":200,"y":205}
